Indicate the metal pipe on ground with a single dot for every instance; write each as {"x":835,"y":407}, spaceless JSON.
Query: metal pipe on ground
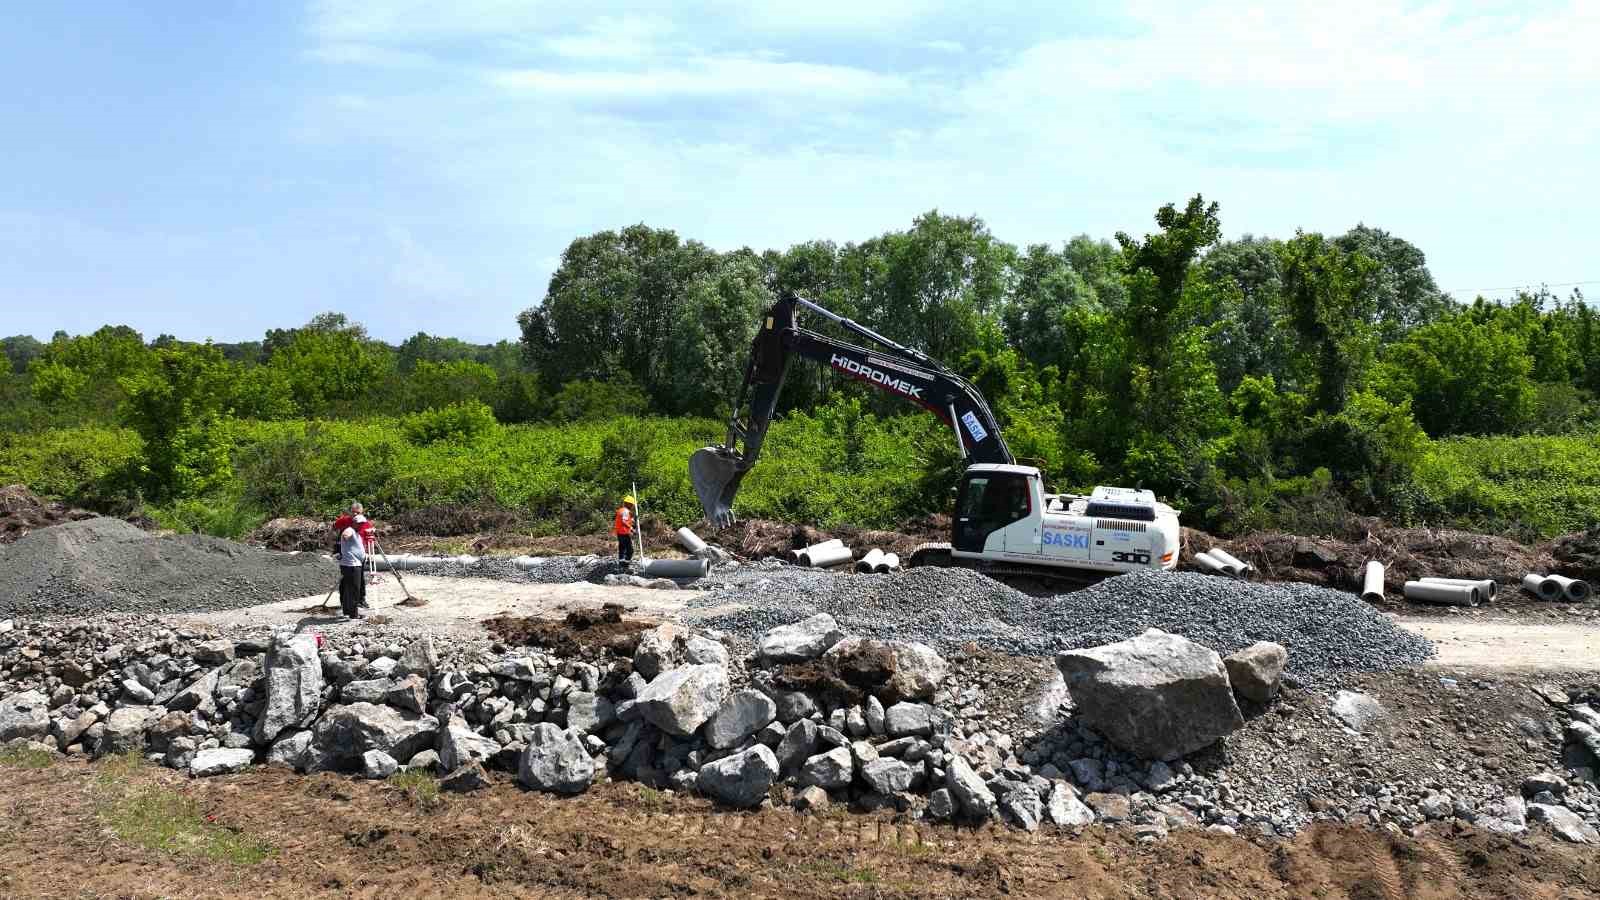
{"x":1541,"y":586}
{"x":1235,"y":565}
{"x":889,"y":563}
{"x":1211,"y":564}
{"x":1372,"y":582}
{"x":1486,"y":585}
{"x":675,"y":568}
{"x":1575,"y":589}
{"x":690,"y":541}
{"x":824,"y":555}
{"x":1447,"y":594}
{"x":869,"y":561}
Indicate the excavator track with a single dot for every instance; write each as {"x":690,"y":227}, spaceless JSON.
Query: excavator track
{"x":937,"y":553}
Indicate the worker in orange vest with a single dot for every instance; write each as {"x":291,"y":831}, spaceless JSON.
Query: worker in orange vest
{"x":623,"y":527}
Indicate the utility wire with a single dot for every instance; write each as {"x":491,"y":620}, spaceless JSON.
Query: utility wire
{"x":1522,"y":287}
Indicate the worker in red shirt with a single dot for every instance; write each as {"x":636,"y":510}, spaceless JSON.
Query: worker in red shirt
{"x":627,"y":515}
{"x":356,"y":519}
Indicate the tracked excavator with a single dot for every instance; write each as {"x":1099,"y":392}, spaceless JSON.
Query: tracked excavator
{"x":1005,"y":523}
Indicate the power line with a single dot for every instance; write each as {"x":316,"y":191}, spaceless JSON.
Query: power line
{"x":1522,"y":287}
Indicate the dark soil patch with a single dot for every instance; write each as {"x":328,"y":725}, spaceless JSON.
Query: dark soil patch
{"x":22,"y":511}
{"x":758,"y":538}
{"x":1577,"y":555}
{"x":583,"y":632}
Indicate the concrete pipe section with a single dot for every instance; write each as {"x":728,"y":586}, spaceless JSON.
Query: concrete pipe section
{"x":1372,"y":582}
{"x":869,"y":561}
{"x":794,"y":556}
{"x":1572,"y":588}
{"x":1447,"y":594}
{"x":828,"y":553}
{"x":889,"y":563}
{"x":1486,"y":586}
{"x":1233,"y":564}
{"x":690,"y":541}
{"x":675,"y":568}
{"x":1212,"y":564}
{"x":1542,"y":587}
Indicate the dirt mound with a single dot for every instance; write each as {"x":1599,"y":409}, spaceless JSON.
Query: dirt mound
{"x":1577,"y":555}
{"x":102,"y":564}
{"x":758,"y":538}
{"x":456,"y":519}
{"x":293,"y":533}
{"x":584,"y":632}
{"x":1406,"y":553}
{"x":22,"y":511}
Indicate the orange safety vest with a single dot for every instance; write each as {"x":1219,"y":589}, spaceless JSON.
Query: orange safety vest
{"x":624,"y":523}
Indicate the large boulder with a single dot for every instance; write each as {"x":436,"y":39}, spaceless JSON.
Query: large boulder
{"x":739,"y":716}
{"x":555,"y":760}
{"x":419,"y":658}
{"x":221,"y":761}
{"x":669,"y":646}
{"x":459,"y":745}
{"x":803,"y":640}
{"x":292,"y":751}
{"x":682,"y":699}
{"x":1356,"y":710}
{"x":890,"y":670}
{"x":346,"y":732}
{"x":798,"y":745}
{"x":1158,"y":695}
{"x":1255,"y":671}
{"x":294,"y":685}
{"x":199,"y":695}
{"x":830,"y":771}
{"x":741,"y":780}
{"x":972,"y":797}
{"x":125,"y":729}
{"x":24,"y":715}
{"x":887,"y":776}
{"x":589,"y":712}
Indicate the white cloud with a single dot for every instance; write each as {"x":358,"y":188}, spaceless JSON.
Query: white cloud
{"x":708,"y":76}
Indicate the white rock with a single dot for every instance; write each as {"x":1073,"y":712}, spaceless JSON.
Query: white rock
{"x":739,"y":716}
{"x":555,"y":760}
{"x":741,"y":780}
{"x":800,"y":641}
{"x":220,"y":762}
{"x":294,"y":685}
{"x":682,"y":699}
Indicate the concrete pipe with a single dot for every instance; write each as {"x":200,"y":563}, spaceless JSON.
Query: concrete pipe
{"x":675,"y":568}
{"x":527,"y":562}
{"x":1211,"y":564}
{"x":690,"y":541}
{"x":1542,"y":587}
{"x":405,"y":562}
{"x":1372,"y":582}
{"x":824,"y":555}
{"x":1447,"y":594}
{"x":1233,"y":563}
{"x":869,"y":561}
{"x":1487,"y":586}
{"x":1574,"y":589}
{"x":889,"y":563}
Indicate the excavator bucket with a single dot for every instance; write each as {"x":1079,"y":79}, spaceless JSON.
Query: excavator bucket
{"x":716,"y":473}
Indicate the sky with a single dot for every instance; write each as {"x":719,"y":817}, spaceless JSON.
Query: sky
{"x":218,"y":168}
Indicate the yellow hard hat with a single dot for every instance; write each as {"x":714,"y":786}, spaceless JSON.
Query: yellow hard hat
{"x":629,"y":499}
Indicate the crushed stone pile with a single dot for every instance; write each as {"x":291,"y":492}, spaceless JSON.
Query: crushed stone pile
{"x":1325,"y":631}
{"x":107,"y":565}
{"x":548,"y":570}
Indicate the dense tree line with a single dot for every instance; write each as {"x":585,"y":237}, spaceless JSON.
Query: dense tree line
{"x":1249,"y":379}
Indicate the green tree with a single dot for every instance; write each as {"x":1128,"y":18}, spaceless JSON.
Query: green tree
{"x":434,"y":385}
{"x":1402,"y":293}
{"x":19,"y":350}
{"x":1330,"y":304}
{"x":177,"y":407}
{"x":330,"y":365}
{"x":1460,"y":377}
{"x":710,"y":339}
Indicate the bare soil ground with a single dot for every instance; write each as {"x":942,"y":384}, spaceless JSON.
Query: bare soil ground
{"x":332,"y":836}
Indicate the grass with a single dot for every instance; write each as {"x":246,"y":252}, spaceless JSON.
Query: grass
{"x":24,"y":758}
{"x":419,"y":787}
{"x":651,"y":799}
{"x":834,"y":871}
{"x":159,"y":818}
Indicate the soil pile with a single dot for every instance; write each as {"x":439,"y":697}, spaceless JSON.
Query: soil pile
{"x":22,"y":511}
{"x":107,"y":565}
{"x":293,"y":533}
{"x":1406,"y":553}
{"x":1578,"y":555}
{"x":759,"y":538}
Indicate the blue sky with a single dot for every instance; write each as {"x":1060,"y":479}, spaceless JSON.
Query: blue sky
{"x":214,"y":169}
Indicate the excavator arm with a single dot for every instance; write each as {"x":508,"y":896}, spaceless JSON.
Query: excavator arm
{"x":895,"y":369}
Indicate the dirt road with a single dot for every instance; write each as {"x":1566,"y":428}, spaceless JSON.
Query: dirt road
{"x":1511,"y":646}
{"x":65,"y":834}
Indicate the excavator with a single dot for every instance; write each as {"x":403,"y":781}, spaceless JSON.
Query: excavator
{"x":1004,"y":523}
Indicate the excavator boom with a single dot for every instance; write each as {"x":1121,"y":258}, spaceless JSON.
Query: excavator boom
{"x":717,"y":471}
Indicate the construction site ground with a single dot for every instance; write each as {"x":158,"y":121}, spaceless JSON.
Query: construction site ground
{"x":327,"y":835}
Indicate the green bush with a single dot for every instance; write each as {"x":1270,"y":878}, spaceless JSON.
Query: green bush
{"x":463,"y":422}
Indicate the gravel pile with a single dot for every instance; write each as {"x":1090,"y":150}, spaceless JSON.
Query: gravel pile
{"x":107,"y":565}
{"x":1326,"y":631}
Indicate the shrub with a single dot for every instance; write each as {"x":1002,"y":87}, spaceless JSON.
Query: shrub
{"x":459,"y":423}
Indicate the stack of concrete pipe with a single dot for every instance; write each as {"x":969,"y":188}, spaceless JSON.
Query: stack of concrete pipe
{"x":1556,"y":587}
{"x":870,"y":561}
{"x":828,"y":553}
{"x":1487,"y":587}
{"x":1470,"y":594}
{"x":889,"y":563}
{"x":1222,"y":562}
{"x":1372,"y":582}
{"x":690,"y":541}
